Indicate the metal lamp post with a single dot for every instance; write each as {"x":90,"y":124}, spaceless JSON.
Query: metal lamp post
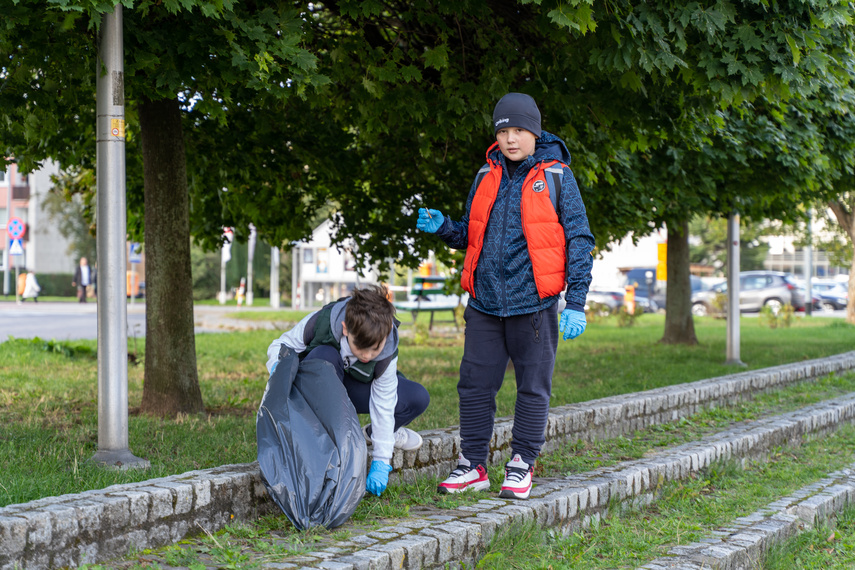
{"x":113,"y":449}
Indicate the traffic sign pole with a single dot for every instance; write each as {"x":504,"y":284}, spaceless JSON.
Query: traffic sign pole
{"x":8,"y":258}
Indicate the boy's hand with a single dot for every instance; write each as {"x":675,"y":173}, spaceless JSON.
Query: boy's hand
{"x":378,"y":477}
{"x":429,"y":220}
{"x":572,"y":323}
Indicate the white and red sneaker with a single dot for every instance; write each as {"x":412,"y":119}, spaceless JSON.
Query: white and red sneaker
{"x":465,"y":478}
{"x":517,"y":483}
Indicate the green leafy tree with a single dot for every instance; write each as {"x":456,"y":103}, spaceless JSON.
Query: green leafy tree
{"x":206,"y":85}
{"x":231,"y":119}
{"x":712,"y":247}
{"x":640,"y":91}
{"x":832,"y":114}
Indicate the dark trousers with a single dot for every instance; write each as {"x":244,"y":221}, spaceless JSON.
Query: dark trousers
{"x":81,"y":293}
{"x":530,"y":342}
{"x":413,"y":398}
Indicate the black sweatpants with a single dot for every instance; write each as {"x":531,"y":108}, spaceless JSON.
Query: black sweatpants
{"x":530,"y":342}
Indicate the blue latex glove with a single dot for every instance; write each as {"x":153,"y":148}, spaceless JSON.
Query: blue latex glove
{"x":429,"y":220}
{"x":572,"y":323}
{"x":378,"y":477}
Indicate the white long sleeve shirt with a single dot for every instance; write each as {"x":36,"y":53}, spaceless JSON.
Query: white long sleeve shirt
{"x":384,"y":388}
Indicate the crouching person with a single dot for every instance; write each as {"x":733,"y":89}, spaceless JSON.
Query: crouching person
{"x":358,"y":335}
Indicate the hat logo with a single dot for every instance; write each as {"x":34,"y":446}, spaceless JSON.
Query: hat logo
{"x":538,"y":186}
{"x":500,"y":121}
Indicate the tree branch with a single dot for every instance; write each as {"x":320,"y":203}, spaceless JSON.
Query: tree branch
{"x":844,"y":214}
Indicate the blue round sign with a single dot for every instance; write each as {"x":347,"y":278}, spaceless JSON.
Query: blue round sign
{"x":15,"y":228}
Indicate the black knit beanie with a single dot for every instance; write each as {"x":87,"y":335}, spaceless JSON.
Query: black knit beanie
{"x":517,"y":110}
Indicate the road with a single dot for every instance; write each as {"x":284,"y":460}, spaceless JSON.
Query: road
{"x":74,"y":321}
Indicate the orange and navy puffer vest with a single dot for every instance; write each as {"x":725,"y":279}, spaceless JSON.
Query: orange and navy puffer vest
{"x":517,"y":258}
{"x":544,"y":234}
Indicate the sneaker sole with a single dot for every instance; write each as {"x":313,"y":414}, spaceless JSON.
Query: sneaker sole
{"x":412,"y":447}
{"x":511,"y":494}
{"x":478,"y":486}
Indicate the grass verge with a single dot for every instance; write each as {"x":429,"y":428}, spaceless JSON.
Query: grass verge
{"x":48,"y":392}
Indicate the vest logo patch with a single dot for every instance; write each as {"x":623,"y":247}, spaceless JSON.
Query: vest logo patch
{"x":539,"y":186}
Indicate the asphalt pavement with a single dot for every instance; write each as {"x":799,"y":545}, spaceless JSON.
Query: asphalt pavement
{"x":75,"y":321}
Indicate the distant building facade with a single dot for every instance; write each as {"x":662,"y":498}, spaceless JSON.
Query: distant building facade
{"x":45,"y":250}
{"x":322,"y":273}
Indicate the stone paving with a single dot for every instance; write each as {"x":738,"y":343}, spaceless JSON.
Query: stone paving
{"x":101,"y":525}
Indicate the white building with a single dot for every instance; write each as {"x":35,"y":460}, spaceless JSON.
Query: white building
{"x":45,"y":250}
{"x":322,"y":273}
{"x":609,"y":270}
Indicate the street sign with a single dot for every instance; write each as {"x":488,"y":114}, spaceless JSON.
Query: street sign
{"x":136,"y":252}
{"x":15,"y":228}
{"x":16,"y":247}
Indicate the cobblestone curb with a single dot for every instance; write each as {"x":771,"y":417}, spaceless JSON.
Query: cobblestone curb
{"x":746,"y":542}
{"x":98,"y":525}
{"x":611,"y":417}
{"x":459,"y":538}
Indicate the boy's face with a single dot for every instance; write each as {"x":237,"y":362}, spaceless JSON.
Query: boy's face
{"x":516,"y":143}
{"x":363,"y":354}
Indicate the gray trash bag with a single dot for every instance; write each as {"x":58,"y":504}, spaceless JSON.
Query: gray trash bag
{"x":311,"y":450}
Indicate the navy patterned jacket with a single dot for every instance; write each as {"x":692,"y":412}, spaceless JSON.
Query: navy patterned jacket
{"x":504,"y":280}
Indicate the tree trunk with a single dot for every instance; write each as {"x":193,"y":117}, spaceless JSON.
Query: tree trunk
{"x":171,"y":383}
{"x":679,"y":325}
{"x":850,"y":304}
{"x":845,"y":214}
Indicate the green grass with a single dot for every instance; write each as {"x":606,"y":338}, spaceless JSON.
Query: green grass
{"x":827,"y":547}
{"x":273,"y":315}
{"x":687,"y":511}
{"x":48,"y":395}
{"x":48,"y":299}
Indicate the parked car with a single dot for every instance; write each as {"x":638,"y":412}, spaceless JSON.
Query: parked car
{"x":757,"y":289}
{"x":704,"y":301}
{"x":817,"y":300}
{"x":608,"y":300}
{"x":834,"y":295}
{"x":646,"y":286}
{"x":611,"y":301}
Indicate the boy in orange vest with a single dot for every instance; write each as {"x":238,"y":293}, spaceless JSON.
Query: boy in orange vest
{"x":527,"y":239}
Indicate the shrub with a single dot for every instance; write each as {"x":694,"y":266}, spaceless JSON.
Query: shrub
{"x":627,"y":319}
{"x":782,"y":318}
{"x":719,"y":306}
{"x":597,"y":311}
{"x":56,"y":284}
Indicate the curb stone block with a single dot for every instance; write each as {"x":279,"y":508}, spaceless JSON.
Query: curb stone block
{"x":445,"y":544}
{"x":380,"y":560}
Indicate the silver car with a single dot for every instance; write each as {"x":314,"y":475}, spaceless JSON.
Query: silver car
{"x":757,"y":289}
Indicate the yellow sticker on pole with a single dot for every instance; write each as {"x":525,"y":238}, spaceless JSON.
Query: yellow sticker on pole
{"x":117,"y":128}
{"x":662,"y":266}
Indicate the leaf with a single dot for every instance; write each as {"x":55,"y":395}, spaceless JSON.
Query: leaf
{"x":437,"y":57}
{"x":794,"y":49}
{"x":559,"y":17}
